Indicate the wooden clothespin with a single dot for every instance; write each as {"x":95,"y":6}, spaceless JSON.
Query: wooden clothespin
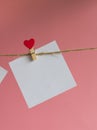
{"x":30,"y":44}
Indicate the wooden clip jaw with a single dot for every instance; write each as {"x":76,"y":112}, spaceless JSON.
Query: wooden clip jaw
{"x":33,"y":55}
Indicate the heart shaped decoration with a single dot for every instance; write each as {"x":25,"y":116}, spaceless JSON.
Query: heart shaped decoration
{"x":29,"y":43}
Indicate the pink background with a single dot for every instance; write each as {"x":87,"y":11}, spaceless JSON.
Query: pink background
{"x":73,"y":24}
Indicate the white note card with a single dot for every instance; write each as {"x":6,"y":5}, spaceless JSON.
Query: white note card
{"x":44,"y":78}
{"x":3,"y":73}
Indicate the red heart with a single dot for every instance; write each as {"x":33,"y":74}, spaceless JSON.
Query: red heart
{"x":29,"y":43}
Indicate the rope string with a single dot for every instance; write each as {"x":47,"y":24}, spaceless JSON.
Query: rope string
{"x":51,"y":53}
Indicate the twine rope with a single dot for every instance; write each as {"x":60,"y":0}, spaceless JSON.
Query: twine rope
{"x":51,"y":53}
